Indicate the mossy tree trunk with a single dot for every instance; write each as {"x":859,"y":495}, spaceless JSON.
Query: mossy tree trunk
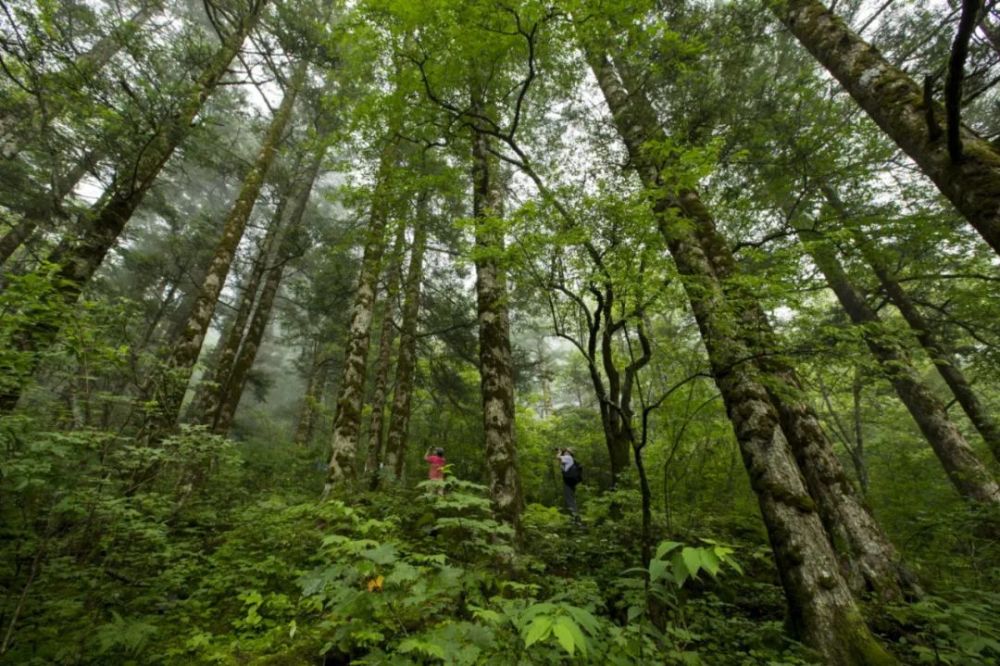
{"x":212,"y":390}
{"x":347,"y":422}
{"x":869,"y":561}
{"x":967,"y":473}
{"x":821,"y":606}
{"x":188,"y":348}
{"x":496,"y":368}
{"x":936,"y":347}
{"x":386,"y":338}
{"x":316,"y":377}
{"x":231,"y":390}
{"x":406,"y":359}
{"x":896,"y":103}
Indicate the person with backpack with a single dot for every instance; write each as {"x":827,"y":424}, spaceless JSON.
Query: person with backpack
{"x":572,"y":473}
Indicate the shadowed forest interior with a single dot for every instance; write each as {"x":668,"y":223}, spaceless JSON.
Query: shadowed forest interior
{"x":500,"y":332}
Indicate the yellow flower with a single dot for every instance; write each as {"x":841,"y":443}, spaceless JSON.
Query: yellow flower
{"x":375,"y":584}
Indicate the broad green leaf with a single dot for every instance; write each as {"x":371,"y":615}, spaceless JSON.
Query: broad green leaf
{"x":692,"y":560}
{"x":657,"y":570}
{"x":666,"y":547}
{"x":538,"y":630}
{"x":709,"y":562}
{"x":565,"y":635}
{"x":383,"y":554}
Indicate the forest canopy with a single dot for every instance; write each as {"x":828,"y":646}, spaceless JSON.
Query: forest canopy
{"x":499,"y":332}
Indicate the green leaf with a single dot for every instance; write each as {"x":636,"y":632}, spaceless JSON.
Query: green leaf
{"x":657,"y":570}
{"x":692,"y":560}
{"x":383,"y":554}
{"x":666,"y":547}
{"x":538,"y":630}
{"x":569,"y":633}
{"x":709,"y":562}
{"x":565,"y":635}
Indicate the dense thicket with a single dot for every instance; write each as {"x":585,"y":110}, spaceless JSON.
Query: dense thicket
{"x":259,"y":257}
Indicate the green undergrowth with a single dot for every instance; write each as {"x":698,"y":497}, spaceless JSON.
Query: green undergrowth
{"x":202,"y":551}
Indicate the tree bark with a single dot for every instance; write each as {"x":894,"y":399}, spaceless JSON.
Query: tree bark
{"x":495,"y":364}
{"x":858,"y":450}
{"x":233,"y":389}
{"x":229,"y":397}
{"x":896,"y":103}
{"x":937,"y":349}
{"x":211,"y":393}
{"x":822,"y":609}
{"x":315,"y":384}
{"x":406,"y":361}
{"x":347,"y":422}
{"x":387,"y":335}
{"x":79,"y":254}
{"x":188,"y":348}
{"x":967,"y":473}
{"x":869,"y":561}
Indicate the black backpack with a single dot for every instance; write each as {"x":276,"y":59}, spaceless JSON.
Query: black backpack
{"x":574,"y":474}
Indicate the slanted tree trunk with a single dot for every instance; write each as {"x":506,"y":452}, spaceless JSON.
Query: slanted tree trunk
{"x":15,"y":237}
{"x":821,"y":606}
{"x":988,"y":26}
{"x":212,"y":392}
{"x":896,"y":103}
{"x":188,"y":348}
{"x":347,"y":422}
{"x":496,"y":369}
{"x":80,"y":253}
{"x":232,"y":391}
{"x":45,"y":206}
{"x":967,"y":473}
{"x":869,"y":561}
{"x":243,"y":363}
{"x":938,"y":350}
{"x":387,"y":335}
{"x":406,"y":360}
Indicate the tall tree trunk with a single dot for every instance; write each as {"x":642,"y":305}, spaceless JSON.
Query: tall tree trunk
{"x":824,"y":612}
{"x":235,"y":383}
{"x":406,"y":360}
{"x":347,"y":422}
{"x":211,"y":393}
{"x":315,"y":383}
{"x":858,"y":450}
{"x":967,"y":473}
{"x":80,"y":254}
{"x":387,"y":335}
{"x":896,"y":103}
{"x":243,"y":363}
{"x":496,"y":368}
{"x":186,"y":353}
{"x":869,"y":561}
{"x":938,"y":350}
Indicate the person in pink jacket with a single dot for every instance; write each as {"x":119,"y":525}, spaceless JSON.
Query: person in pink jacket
{"x":435,"y":471}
